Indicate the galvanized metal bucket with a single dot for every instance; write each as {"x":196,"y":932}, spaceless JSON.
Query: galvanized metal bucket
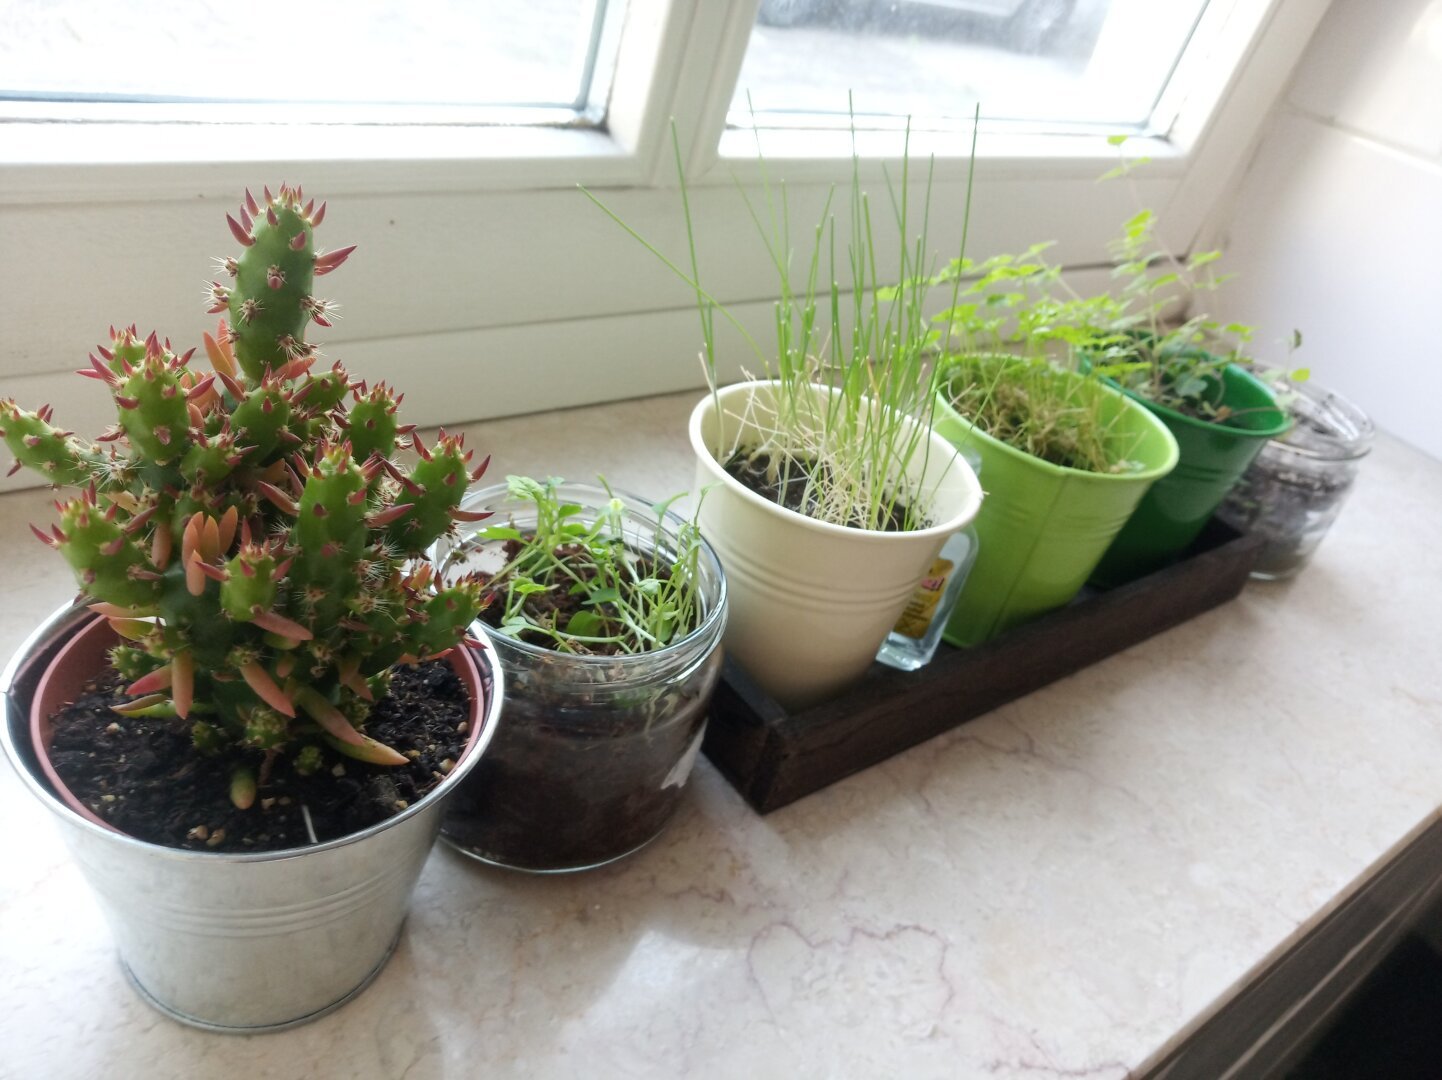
{"x":243,"y":942}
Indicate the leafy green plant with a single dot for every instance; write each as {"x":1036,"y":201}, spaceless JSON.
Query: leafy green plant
{"x":1133,"y":333}
{"x":1007,"y":351}
{"x":870,"y":340}
{"x":246,"y":531}
{"x":591,"y":583}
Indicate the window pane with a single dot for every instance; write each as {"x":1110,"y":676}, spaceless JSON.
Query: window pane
{"x":1048,"y":63}
{"x":462,"y":52}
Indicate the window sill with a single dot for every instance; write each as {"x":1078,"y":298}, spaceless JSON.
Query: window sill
{"x":55,"y":161}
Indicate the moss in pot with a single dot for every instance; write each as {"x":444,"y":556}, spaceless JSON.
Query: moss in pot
{"x":606,"y":614}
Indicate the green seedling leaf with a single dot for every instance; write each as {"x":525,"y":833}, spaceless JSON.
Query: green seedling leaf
{"x":499,"y":532}
{"x":585,"y":624}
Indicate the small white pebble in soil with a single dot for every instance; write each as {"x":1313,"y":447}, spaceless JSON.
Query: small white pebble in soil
{"x":107,"y":798}
{"x":463,"y":727}
{"x":338,"y":770}
{"x":266,"y":804}
{"x":401,"y":804}
{"x":414,"y":755}
{"x":112,"y":728}
{"x":215,"y":838}
{"x":200,"y":832}
{"x":447,"y":765}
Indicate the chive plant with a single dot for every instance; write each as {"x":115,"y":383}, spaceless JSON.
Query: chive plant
{"x":844,"y":325}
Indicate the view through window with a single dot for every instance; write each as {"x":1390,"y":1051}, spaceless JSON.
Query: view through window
{"x":1043,"y":64}
{"x":538,"y":54}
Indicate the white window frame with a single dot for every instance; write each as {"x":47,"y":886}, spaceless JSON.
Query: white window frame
{"x":525,"y":297}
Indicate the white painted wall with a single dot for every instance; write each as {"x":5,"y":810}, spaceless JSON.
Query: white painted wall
{"x":1336,"y":227}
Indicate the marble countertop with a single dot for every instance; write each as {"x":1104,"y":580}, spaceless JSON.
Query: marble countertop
{"x":1063,"y":887}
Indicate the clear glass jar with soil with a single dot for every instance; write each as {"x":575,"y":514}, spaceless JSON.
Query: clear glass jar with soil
{"x":592,"y":753}
{"x":1295,"y":488}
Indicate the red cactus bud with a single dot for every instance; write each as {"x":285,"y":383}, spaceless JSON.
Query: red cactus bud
{"x":201,"y":388}
{"x":319,"y":215}
{"x":182,"y":684}
{"x":101,"y":370}
{"x":194,"y":574}
{"x":240,"y":234}
{"x":159,"y":679}
{"x":382,"y":518}
{"x":270,"y":216}
{"x":160,"y":549}
{"x":277,"y":623}
{"x":44,"y":537}
{"x":265,"y":688}
{"x":127,"y":402}
{"x":216,"y":573}
{"x":297,"y":241}
{"x":471,"y":515}
{"x":115,"y":611}
{"x":324,"y":264}
{"x":250,"y":203}
{"x":225,"y":529}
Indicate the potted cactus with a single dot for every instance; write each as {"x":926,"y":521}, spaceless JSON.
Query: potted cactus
{"x":235,"y":715}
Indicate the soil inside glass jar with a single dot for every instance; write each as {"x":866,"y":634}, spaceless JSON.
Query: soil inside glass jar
{"x":570,"y":782}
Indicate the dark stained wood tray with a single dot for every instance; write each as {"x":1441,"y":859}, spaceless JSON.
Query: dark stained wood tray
{"x":774,"y":758}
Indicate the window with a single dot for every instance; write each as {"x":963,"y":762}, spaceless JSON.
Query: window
{"x":1044,"y":65}
{"x":397,"y":60}
{"x":486,"y":284}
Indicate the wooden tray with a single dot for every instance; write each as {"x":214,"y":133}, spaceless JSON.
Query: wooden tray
{"x":773,"y":758}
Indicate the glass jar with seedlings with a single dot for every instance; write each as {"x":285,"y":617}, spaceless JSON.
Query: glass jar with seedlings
{"x":606,"y":614}
{"x":1295,"y":488}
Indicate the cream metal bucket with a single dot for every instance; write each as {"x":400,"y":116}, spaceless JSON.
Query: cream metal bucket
{"x":811,"y":602}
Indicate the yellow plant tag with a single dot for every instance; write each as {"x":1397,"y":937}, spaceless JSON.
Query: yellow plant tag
{"x":922,"y":606}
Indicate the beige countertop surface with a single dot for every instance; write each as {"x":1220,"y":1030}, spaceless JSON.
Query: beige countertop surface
{"x":1063,"y":887}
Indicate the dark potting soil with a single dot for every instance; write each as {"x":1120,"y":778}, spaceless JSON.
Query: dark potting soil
{"x":768,"y":476}
{"x":144,"y":776}
{"x":573,"y":780}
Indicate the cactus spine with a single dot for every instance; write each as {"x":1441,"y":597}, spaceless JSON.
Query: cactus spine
{"x":246,"y":530}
